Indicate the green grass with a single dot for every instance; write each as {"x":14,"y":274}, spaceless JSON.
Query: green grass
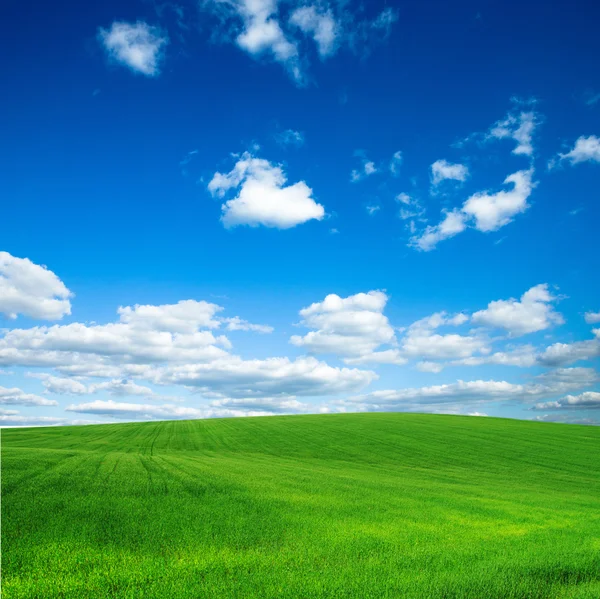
{"x":333,"y":506}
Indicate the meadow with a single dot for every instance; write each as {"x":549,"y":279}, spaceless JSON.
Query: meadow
{"x":330,"y":506}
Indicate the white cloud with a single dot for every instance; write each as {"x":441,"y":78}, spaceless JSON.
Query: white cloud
{"x":592,"y":317}
{"x":563,"y":380}
{"x":320,"y":25}
{"x":238,"y":324}
{"x":395,"y":163}
{"x":534,"y":312}
{"x":143,"y":335}
{"x":137,"y":46}
{"x":220,"y":408}
{"x":15,"y":418}
{"x":584,"y":401}
{"x":263,"y":198}
{"x":262,"y":33}
{"x":134,"y":411}
{"x":560,"y":354}
{"x":354,"y":326}
{"x":519,"y":128}
{"x":117,"y":341}
{"x":290,"y":137}
{"x":186,"y":316}
{"x":32,"y":290}
{"x":266,"y":405}
{"x":523,"y":357}
{"x":492,"y":211}
{"x":368,"y":168}
{"x":585,"y":149}
{"x":117,"y":387}
{"x":260,"y":28}
{"x":166,"y":345}
{"x":18,"y":397}
{"x":122,"y":388}
{"x":459,"y":392}
{"x":442,"y":170}
{"x":421,"y":342}
{"x":60,"y":385}
{"x":454,"y":223}
{"x":372,"y":209}
{"x":234,"y":377}
{"x":479,"y":391}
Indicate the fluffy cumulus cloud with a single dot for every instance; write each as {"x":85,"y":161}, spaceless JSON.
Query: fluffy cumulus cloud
{"x":586,"y":149}
{"x":353,"y":326}
{"x":131,"y":339}
{"x":32,"y":290}
{"x":484,"y":211}
{"x":519,"y":128}
{"x":442,"y":170}
{"x":533,"y":312}
{"x":491,"y":211}
{"x":263,"y":198}
{"x":185,"y":316}
{"x":137,"y":46}
{"x":356,"y":329}
{"x":171,"y":344}
{"x":17,"y":397}
{"x":143,"y":335}
{"x":262,"y":33}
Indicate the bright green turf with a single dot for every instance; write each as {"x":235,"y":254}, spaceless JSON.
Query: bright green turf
{"x":367,"y":505}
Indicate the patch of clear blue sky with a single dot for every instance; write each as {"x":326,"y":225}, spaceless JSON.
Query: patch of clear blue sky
{"x":91,"y":182}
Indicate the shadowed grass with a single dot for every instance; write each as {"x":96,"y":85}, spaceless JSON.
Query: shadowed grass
{"x":361,"y":506}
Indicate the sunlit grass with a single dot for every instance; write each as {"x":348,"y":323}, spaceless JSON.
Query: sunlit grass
{"x":369,"y":505}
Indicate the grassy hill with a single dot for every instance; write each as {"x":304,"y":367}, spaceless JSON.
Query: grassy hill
{"x":332,"y":506}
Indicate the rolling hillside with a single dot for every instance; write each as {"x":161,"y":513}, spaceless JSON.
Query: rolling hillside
{"x":361,"y":506}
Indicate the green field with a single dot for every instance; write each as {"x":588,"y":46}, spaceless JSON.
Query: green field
{"x":363,"y":505}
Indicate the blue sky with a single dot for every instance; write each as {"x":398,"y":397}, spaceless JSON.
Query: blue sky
{"x":250,"y":207}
